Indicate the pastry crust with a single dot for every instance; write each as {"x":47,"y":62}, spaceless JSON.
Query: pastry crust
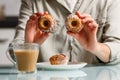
{"x":58,"y":59}
{"x":46,"y":23}
{"x":73,"y":23}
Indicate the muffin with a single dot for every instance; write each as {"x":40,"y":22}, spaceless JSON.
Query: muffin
{"x":73,"y":23}
{"x":46,"y":23}
{"x":58,"y":59}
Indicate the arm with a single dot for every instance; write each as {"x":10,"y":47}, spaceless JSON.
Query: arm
{"x":112,"y":31}
{"x":109,"y":49}
{"x":87,"y":38}
{"x":25,"y":12}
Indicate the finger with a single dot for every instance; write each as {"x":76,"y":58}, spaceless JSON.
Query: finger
{"x":38,"y":14}
{"x":45,"y":12}
{"x":87,"y":20}
{"x":41,"y":37}
{"x":30,"y":22}
{"x":93,"y":25}
{"x":46,"y":34}
{"x":38,"y":34}
{"x":71,"y":33}
{"x":41,"y":13}
{"x":78,"y":14}
{"x":33,"y":17}
{"x":82,"y":15}
{"x":42,"y":34}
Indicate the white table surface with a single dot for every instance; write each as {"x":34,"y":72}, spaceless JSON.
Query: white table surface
{"x":86,"y":73}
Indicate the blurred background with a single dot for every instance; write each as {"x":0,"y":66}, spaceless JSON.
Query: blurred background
{"x":9,"y":12}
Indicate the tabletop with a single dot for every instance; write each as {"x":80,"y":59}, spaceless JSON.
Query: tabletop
{"x":85,"y":73}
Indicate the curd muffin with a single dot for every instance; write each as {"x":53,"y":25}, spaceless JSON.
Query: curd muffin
{"x":59,"y":59}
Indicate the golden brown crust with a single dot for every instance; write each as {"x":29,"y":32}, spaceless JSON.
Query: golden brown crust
{"x":46,"y":23}
{"x":58,"y":59}
{"x":73,"y":23}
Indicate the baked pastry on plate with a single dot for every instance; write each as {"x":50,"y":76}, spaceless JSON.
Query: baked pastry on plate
{"x":59,"y":59}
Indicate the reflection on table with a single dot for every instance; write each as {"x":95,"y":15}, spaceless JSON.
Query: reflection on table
{"x":86,"y":73}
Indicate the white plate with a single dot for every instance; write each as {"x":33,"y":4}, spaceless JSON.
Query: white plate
{"x":70,"y":66}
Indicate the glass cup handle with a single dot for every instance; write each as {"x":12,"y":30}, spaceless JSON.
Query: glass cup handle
{"x":8,"y":55}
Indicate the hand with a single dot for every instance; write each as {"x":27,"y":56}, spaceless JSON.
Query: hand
{"x":87,"y":36}
{"x":32,"y":32}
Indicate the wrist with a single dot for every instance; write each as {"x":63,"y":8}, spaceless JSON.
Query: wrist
{"x":93,"y":48}
{"x":102,"y":51}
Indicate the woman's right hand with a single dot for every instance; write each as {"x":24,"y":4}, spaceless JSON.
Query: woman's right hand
{"x":32,"y":32}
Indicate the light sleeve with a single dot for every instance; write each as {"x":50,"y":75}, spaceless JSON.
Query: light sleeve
{"x":112,"y":31}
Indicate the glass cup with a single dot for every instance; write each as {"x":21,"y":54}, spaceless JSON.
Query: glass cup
{"x":26,"y":77}
{"x":26,"y":55}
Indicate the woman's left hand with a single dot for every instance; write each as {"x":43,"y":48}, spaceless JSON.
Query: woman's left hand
{"x":87,"y":36}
